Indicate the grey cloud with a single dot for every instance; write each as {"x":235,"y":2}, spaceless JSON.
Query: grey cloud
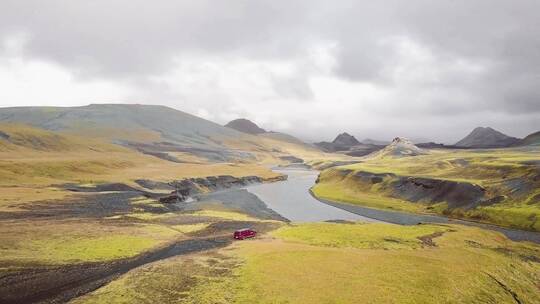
{"x":132,"y":40}
{"x":127,"y":38}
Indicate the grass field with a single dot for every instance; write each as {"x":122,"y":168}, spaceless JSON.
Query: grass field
{"x":482,"y":167}
{"x":68,"y":242}
{"x":343,"y":263}
{"x":511,"y":175}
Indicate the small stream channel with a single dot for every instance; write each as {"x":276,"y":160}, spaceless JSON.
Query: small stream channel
{"x":293,"y":200}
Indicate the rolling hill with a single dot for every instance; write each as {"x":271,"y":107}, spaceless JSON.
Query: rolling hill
{"x":245,"y":125}
{"x":128,"y":122}
{"x":159,"y":131}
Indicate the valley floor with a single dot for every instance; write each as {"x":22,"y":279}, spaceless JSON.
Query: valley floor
{"x":64,"y":236}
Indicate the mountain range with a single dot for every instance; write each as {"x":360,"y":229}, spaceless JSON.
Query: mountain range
{"x":479,"y":138}
{"x":162,"y":131}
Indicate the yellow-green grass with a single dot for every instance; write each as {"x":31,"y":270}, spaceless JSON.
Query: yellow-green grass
{"x":183,"y":279}
{"x":513,"y":215}
{"x":488,"y":168}
{"x":67,"y":242}
{"x":14,"y":197}
{"x":301,"y":264}
{"x":24,"y":138}
{"x":44,"y":168}
{"x":34,"y":176}
{"x":459,"y":270}
{"x":267,"y":150}
{"x":379,"y":236}
{"x":189,"y":228}
{"x":149,"y":216}
{"x":520,"y":216}
{"x":32,"y":156}
{"x":482,"y":167}
{"x":223,"y":214}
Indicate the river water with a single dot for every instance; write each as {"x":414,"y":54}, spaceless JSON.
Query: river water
{"x":292,"y":199}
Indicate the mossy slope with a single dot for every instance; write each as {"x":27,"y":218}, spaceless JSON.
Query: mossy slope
{"x":507,"y":182}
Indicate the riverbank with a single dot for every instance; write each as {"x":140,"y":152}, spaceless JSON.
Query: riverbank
{"x":294,"y":197}
{"x":402,"y":218}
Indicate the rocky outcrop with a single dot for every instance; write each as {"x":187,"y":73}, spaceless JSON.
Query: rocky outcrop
{"x":417,"y":189}
{"x":154,"y":185}
{"x":180,"y":190}
{"x":372,"y":178}
{"x":455,"y":194}
{"x":188,"y":187}
{"x":400,"y":147}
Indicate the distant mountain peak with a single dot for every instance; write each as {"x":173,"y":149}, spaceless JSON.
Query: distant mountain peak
{"x":486,"y":137}
{"x":346,"y":139}
{"x":245,"y":125}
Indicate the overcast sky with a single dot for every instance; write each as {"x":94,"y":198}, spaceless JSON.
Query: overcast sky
{"x":420,"y":69}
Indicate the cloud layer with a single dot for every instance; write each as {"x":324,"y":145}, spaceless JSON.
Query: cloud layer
{"x":418,"y":68}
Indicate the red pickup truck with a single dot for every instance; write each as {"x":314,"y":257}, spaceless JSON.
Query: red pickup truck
{"x":244,"y":233}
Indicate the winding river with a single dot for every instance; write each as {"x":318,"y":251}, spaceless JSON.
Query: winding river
{"x":293,"y":200}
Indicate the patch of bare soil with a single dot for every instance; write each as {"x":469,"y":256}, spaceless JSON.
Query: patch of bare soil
{"x":427,"y":240}
{"x":84,"y":205}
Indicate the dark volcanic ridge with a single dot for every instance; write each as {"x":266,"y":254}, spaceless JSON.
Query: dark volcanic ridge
{"x":400,"y":147}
